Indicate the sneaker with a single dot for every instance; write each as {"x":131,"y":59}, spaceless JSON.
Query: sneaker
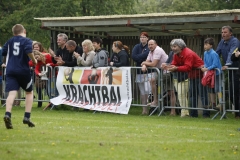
{"x":218,"y":107}
{"x":214,"y":107}
{"x":8,"y":122}
{"x":206,"y":107}
{"x":28,"y":122}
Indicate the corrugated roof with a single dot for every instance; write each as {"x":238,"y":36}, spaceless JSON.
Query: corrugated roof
{"x":173,"y":14}
{"x":164,"y":24}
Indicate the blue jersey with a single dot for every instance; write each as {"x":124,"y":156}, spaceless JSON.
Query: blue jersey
{"x":16,"y":51}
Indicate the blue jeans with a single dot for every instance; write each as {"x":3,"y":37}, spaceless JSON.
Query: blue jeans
{"x":195,"y":89}
{"x":51,"y":88}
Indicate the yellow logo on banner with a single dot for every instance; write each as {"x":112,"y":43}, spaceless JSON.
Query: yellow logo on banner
{"x":71,"y":76}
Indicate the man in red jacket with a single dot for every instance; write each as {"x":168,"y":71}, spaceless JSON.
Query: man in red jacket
{"x":185,"y":60}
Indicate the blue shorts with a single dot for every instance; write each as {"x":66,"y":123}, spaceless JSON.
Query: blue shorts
{"x":14,"y":82}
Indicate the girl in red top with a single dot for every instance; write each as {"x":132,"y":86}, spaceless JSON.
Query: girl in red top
{"x":44,"y":59}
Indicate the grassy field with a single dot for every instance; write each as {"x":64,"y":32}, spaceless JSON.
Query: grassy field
{"x":65,"y":134}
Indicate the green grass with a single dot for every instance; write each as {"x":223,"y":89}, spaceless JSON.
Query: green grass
{"x":66,"y":134}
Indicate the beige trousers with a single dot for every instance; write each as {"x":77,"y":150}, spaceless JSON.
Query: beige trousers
{"x":182,"y":91}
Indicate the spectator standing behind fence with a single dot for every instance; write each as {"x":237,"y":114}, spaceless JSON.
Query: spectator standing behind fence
{"x":43,"y":61}
{"x":72,"y":47}
{"x":226,"y":47}
{"x":18,"y":50}
{"x":155,"y":58}
{"x":120,"y":57}
{"x":180,"y":81}
{"x":236,"y":57}
{"x":212,"y":62}
{"x":88,"y":53}
{"x":62,"y":56}
{"x":39,"y":47}
{"x":101,"y":55}
{"x":185,"y":60}
{"x":139,"y":54}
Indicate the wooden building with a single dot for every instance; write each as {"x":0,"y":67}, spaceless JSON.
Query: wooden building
{"x":192,"y":27}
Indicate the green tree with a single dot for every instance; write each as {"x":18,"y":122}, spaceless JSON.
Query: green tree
{"x":166,"y":6}
{"x":225,"y":4}
{"x":106,"y":7}
{"x":7,"y":9}
{"x":25,"y":11}
{"x":33,"y":8}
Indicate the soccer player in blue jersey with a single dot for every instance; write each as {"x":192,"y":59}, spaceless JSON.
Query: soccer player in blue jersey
{"x":16,"y":52}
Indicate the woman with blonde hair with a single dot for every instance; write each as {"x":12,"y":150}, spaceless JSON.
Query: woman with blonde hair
{"x":88,"y":54}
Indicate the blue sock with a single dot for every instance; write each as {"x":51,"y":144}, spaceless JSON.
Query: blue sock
{"x":8,"y":114}
{"x":27,"y":114}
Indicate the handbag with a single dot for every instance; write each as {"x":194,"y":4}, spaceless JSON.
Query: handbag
{"x":140,"y":78}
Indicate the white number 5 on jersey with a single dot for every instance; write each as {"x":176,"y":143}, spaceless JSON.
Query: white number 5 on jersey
{"x":16,"y":48}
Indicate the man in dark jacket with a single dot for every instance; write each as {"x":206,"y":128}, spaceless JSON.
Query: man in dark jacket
{"x":62,"y":56}
{"x":72,"y":47}
{"x":139,"y":54}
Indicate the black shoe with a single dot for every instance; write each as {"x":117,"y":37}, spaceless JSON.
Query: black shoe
{"x":237,"y":117}
{"x":8,"y":122}
{"x":207,"y":107}
{"x":28,"y":122}
{"x":39,"y":104}
{"x":75,"y":109}
{"x":206,"y":116}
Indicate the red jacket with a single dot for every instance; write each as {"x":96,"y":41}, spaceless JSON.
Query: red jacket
{"x":208,"y":79}
{"x":40,"y":63}
{"x":188,"y":61}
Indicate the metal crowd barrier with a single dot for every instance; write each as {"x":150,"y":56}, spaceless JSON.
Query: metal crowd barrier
{"x":190,"y":92}
{"x":42,"y":91}
{"x":231,"y":87}
{"x":140,"y":82}
{"x":183,"y":96}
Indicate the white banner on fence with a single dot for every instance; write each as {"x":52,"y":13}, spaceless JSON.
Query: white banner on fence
{"x":103,"y":89}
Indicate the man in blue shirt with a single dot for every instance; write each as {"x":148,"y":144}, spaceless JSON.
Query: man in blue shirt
{"x":17,"y":52}
{"x":226,"y":47}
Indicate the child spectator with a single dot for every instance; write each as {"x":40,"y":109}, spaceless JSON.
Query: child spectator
{"x":212,"y":61}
